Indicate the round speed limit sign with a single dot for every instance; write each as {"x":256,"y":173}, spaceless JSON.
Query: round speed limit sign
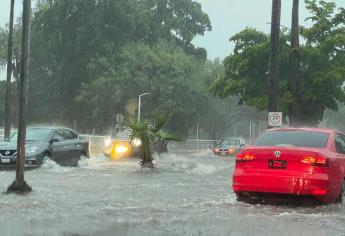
{"x":275,"y":119}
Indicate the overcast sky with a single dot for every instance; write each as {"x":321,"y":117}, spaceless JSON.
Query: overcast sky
{"x":227,"y":17}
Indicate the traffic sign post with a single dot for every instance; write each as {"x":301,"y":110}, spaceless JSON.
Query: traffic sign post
{"x":275,"y":119}
{"x":119,"y":118}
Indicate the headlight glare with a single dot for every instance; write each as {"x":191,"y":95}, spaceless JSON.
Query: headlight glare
{"x":107,"y":142}
{"x":121,"y":149}
{"x":136,"y":142}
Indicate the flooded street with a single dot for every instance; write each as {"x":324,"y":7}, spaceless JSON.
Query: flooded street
{"x":184,"y":195}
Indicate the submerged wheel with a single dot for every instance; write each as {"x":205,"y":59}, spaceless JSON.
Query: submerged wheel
{"x":76,"y":160}
{"x":46,"y":156}
{"x":240,"y":197}
{"x":342,"y":192}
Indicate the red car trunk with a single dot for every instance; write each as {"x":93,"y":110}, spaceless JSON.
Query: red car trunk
{"x":291,"y":159}
{"x":297,"y":161}
{"x":288,"y":170}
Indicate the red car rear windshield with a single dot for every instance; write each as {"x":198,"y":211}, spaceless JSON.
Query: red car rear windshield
{"x":295,"y":138}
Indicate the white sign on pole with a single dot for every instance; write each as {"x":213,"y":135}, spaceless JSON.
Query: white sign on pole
{"x":275,"y":119}
{"x":119,"y":118}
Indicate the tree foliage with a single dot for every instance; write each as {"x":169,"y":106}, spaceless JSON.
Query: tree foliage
{"x":85,"y":55}
{"x":3,"y":46}
{"x":164,"y":70}
{"x":91,"y":59}
{"x":322,"y":60}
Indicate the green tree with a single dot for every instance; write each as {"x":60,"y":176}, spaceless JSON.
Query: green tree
{"x":16,"y":50}
{"x":8,"y":109}
{"x":69,"y":36}
{"x":179,"y":21}
{"x":322,"y":60}
{"x":3,"y":46}
{"x":164,"y":70}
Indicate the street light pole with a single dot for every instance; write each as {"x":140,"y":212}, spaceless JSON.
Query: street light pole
{"x":139,"y":104}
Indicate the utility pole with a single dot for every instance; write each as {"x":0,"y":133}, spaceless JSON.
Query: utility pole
{"x":274,"y":57}
{"x":295,"y":111}
{"x":8,"y":109}
{"x":19,"y":185}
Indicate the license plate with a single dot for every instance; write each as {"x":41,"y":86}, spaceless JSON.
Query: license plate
{"x":274,"y":164}
{"x":223,"y":153}
{"x":7,"y":160}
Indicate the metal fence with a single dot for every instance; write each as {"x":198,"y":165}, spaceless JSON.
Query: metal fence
{"x":192,"y":145}
{"x":97,"y":142}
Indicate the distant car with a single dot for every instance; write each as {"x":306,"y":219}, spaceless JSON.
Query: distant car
{"x":120,"y":146}
{"x":62,"y":145}
{"x":292,"y":162}
{"x":229,"y":146}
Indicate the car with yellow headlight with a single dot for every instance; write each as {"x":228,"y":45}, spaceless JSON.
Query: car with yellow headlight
{"x":120,"y":146}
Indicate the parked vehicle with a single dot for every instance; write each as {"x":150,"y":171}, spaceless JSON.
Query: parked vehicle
{"x":229,"y":146}
{"x":62,"y":145}
{"x":293,"y":162}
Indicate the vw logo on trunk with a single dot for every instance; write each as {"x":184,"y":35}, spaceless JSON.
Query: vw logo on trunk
{"x":7,"y":153}
{"x":277,"y":153}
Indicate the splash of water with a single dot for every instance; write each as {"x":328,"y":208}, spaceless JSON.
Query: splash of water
{"x":52,"y":166}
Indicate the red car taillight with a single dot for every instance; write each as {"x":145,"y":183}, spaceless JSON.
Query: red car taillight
{"x":241,"y":157}
{"x":315,"y":160}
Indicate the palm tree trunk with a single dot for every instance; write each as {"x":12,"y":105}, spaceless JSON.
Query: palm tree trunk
{"x":146,"y":154}
{"x":295,"y":111}
{"x":274,"y":57}
{"x":8,"y":110}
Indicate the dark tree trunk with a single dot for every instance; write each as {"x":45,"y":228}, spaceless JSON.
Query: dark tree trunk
{"x":295,"y":110}
{"x":274,"y":57}
{"x":8,"y":110}
{"x":19,"y":185}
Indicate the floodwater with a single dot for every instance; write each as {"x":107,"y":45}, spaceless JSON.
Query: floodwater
{"x":184,"y":195}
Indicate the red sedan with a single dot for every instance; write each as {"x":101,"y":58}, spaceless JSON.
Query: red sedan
{"x":293,"y":161}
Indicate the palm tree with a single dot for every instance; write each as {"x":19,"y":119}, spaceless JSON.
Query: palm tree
{"x":148,"y":136}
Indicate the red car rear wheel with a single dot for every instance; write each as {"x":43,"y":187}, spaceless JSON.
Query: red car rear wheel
{"x":342,"y":192}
